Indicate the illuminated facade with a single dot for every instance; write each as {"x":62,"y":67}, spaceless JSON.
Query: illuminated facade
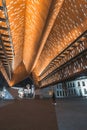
{"x":74,"y":88}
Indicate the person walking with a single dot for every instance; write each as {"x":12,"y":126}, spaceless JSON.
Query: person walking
{"x":54,"y":98}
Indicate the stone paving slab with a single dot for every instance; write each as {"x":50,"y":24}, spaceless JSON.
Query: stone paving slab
{"x":72,"y":114}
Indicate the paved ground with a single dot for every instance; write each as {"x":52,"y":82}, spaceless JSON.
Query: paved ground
{"x":72,"y":114}
{"x":28,"y":115}
{"x":4,"y":103}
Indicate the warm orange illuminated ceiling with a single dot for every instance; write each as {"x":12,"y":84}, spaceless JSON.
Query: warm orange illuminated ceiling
{"x":38,"y":31}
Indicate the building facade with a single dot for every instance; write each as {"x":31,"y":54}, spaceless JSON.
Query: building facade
{"x":73,"y":88}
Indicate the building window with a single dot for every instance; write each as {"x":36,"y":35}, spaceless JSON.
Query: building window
{"x":60,"y":93}
{"x":78,"y":83}
{"x":70,"y":84}
{"x":57,"y":93}
{"x":85,"y":91}
{"x":60,"y":86}
{"x":83,"y":83}
{"x":74,"y":91}
{"x":73,"y":85}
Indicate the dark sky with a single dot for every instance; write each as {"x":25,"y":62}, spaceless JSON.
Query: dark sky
{"x":24,"y":83}
{"x":3,"y":82}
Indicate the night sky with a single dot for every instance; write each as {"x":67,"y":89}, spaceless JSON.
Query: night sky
{"x":3,"y":82}
{"x":23,"y":83}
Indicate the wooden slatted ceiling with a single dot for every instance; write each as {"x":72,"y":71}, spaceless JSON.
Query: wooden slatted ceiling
{"x":27,"y":19}
{"x":16,"y":14}
{"x":35,"y":17}
{"x":70,"y":23}
{"x":40,"y":30}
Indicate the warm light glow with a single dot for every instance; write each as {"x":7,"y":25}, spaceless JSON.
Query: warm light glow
{"x":40,"y":30}
{"x":36,"y":14}
{"x":65,"y":30}
{"x":16,"y":15}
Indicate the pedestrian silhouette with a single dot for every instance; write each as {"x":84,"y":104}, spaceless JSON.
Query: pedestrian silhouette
{"x":54,"y":98}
